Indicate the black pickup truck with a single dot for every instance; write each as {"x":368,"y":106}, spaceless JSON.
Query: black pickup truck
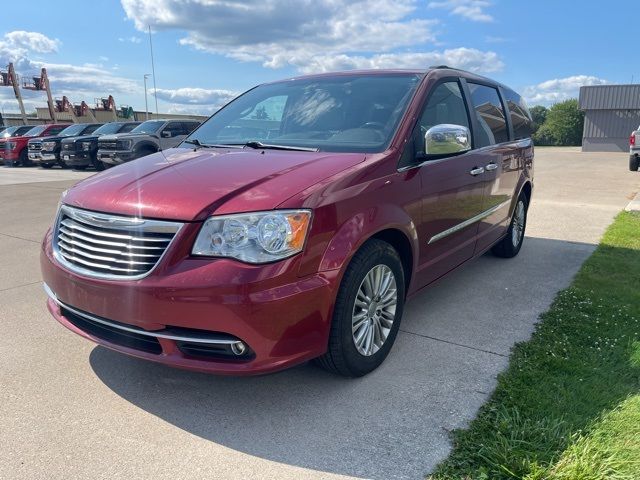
{"x":49,"y":153}
{"x":82,"y":152}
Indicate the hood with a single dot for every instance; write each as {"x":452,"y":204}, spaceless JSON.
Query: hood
{"x":188,"y":185}
{"x":80,"y":138}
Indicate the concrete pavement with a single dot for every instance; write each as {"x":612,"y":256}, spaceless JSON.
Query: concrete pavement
{"x":70,"y":409}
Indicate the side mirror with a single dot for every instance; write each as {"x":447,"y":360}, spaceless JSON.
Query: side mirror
{"x":447,"y":139}
{"x":165,"y":134}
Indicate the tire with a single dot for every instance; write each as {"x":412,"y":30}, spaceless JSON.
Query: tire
{"x":345,"y":355}
{"x":82,"y":168}
{"x":511,"y":244}
{"x":97,"y":164}
{"x":143,"y":152}
{"x":24,"y":158}
{"x":634,"y":163}
{"x":46,"y":165}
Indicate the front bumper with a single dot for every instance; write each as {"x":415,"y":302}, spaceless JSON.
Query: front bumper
{"x":116,"y":157}
{"x":43,"y":157}
{"x":35,"y":157}
{"x":76,"y":159}
{"x":282,"y":318}
{"x":9,"y":156}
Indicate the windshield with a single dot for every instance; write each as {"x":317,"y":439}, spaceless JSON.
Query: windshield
{"x":108,"y":128}
{"x":150,"y":126}
{"x":16,"y":131}
{"x":350,"y":113}
{"x":35,"y":131}
{"x":72,"y":130}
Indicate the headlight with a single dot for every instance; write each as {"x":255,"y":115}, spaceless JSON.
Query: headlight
{"x":258,"y":237}
{"x":123,"y":144}
{"x":86,"y":146}
{"x":48,"y":146}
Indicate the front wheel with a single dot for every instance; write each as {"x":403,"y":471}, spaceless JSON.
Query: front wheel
{"x":367,"y":311}
{"x":634,"y":163}
{"x":510,"y":245}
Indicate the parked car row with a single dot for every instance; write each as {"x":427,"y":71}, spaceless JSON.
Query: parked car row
{"x":84,"y":145}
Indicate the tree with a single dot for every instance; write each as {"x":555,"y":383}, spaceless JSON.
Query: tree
{"x":562,"y":126}
{"x":539,"y":115}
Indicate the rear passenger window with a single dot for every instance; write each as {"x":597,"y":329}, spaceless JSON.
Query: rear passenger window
{"x":445,"y":105}
{"x":491,"y":119}
{"x":519,"y":114}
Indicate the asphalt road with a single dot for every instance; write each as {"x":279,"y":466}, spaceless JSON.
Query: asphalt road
{"x":70,"y":409}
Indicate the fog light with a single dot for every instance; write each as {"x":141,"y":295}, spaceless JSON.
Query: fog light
{"x":238,"y":348}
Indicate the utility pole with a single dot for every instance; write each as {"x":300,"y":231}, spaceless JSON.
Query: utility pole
{"x":153,"y":72}
{"x":146,"y":105}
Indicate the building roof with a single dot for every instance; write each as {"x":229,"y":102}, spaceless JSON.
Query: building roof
{"x":610,"y":97}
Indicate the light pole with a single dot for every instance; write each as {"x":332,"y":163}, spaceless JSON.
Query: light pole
{"x":146,"y":105}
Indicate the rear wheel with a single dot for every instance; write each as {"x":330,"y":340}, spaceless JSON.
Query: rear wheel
{"x":143,"y":152}
{"x":24,"y":158}
{"x":367,"y":311}
{"x":97,"y":164}
{"x":634,"y":163}
{"x":510,"y":245}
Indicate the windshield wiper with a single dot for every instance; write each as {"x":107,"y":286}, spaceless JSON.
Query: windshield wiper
{"x":198,"y":143}
{"x":259,"y":145}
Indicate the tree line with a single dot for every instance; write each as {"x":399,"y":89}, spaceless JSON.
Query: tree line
{"x":559,"y":125}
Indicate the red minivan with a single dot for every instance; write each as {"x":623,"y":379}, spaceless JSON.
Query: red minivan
{"x":295,"y":222}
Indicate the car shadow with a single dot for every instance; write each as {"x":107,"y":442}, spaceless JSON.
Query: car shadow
{"x":394,"y":423}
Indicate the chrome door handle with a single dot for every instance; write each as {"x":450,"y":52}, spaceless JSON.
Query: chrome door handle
{"x":491,"y":166}
{"x":477,"y":171}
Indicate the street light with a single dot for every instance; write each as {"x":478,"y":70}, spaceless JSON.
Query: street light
{"x":146,"y":105}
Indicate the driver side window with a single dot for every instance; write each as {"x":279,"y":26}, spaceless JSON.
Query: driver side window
{"x":445,"y":105}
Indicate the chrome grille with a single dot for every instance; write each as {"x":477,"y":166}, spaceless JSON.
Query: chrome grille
{"x":35,"y":146}
{"x":110,"y":246}
{"x":108,"y":145}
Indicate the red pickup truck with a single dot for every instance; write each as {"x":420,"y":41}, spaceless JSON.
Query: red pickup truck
{"x":13,"y":149}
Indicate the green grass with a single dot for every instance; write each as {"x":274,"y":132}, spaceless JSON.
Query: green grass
{"x":568,"y":406}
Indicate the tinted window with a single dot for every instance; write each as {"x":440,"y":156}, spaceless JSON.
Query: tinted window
{"x":55,"y":130}
{"x":189,"y":127}
{"x":491,"y":119}
{"x":350,"y":113}
{"x":519,"y":114}
{"x":34,"y":132}
{"x":175,"y":128}
{"x":150,"y":126}
{"x":127,"y":127}
{"x":445,"y":105}
{"x":90,"y":129}
{"x":72,"y":130}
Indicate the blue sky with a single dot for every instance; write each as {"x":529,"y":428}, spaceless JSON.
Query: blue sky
{"x":206,"y":51}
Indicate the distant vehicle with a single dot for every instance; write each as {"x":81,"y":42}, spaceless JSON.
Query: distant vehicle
{"x":82,"y":152}
{"x":147,"y":138}
{"x":46,"y":151}
{"x":294,"y":223}
{"x":16,"y":131}
{"x":634,"y":150}
{"x":14,"y":150}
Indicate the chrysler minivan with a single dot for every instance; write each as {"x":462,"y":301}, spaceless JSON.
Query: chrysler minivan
{"x":295,"y":223}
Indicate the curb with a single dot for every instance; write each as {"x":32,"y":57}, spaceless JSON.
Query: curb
{"x":634,"y":205}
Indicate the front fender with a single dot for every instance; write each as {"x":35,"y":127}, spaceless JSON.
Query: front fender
{"x":364,"y":225}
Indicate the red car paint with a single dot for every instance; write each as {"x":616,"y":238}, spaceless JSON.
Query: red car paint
{"x":13,"y":154}
{"x":283,"y":310}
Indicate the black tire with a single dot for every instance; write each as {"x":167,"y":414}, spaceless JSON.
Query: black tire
{"x":144,"y":151}
{"x":24,"y":158}
{"x":46,"y":165}
{"x":80,"y":167}
{"x":508,"y":247}
{"x":97,"y":164}
{"x":342,"y":356}
{"x":634,"y":163}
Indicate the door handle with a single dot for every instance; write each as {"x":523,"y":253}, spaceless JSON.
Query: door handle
{"x":491,"y":166}
{"x":477,"y":171}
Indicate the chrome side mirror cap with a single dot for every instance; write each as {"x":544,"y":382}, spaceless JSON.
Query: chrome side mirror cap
{"x":447,"y":139}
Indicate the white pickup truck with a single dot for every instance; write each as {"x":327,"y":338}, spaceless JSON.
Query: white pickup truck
{"x":634,"y":150}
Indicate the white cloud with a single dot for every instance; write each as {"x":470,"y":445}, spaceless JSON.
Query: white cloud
{"x":29,"y":41}
{"x":132,"y":39}
{"x":473,"y":10}
{"x":287,"y":33}
{"x":559,"y":89}
{"x":465,"y":58}
{"x":196,"y":96}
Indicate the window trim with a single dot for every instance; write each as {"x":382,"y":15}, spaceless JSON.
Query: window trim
{"x":408,"y":143}
{"x":507,"y":115}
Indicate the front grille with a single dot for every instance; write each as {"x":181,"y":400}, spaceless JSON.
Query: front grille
{"x":36,"y":146}
{"x":108,"y":145}
{"x":110,"y":246}
{"x":113,"y":334}
{"x":68,"y":146}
